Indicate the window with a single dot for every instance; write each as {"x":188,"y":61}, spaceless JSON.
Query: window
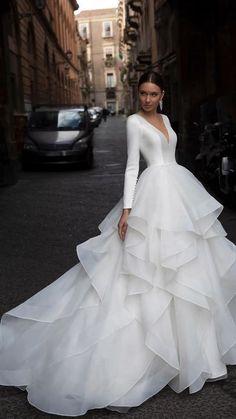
{"x":107,"y":29}
{"x":109,"y":56}
{"x":90,"y":76}
{"x":83,"y":30}
{"x":110,"y":81}
{"x":108,"y":52}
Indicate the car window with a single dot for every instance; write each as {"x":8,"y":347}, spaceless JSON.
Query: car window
{"x":57,"y":120}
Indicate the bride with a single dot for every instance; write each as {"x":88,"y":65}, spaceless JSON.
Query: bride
{"x":151,"y":301}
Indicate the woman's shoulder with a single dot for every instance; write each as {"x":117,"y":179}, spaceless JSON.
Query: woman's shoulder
{"x":135,"y":118}
{"x":134,"y":125}
{"x":132,"y":117}
{"x":136,"y":115}
{"x":164,"y":116}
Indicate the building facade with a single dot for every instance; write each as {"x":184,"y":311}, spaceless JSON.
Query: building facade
{"x":48,"y":51}
{"x":105,"y":61}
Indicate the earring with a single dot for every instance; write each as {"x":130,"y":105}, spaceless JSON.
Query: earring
{"x":161,"y":104}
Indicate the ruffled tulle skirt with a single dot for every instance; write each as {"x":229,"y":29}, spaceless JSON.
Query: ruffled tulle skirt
{"x":133,"y":316}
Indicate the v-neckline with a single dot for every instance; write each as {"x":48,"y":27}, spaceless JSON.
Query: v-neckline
{"x":149,"y":123}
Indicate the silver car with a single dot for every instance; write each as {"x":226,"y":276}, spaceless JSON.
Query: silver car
{"x":58,"y":135}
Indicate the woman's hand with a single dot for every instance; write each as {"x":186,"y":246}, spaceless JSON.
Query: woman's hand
{"x":122,"y":225}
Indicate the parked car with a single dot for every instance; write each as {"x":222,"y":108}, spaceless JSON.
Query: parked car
{"x":59,"y":134}
{"x":98,"y":110}
{"x":94,"y":117}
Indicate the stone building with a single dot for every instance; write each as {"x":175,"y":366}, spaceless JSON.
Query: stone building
{"x":39,"y":47}
{"x":105,"y":60}
{"x":48,"y":52}
{"x":191,"y":44}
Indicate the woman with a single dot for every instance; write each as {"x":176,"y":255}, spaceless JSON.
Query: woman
{"x":149,"y":304}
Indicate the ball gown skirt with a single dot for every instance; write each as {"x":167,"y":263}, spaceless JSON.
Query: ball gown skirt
{"x":133,"y":316}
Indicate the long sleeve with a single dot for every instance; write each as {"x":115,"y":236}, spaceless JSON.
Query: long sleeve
{"x":132,"y":166}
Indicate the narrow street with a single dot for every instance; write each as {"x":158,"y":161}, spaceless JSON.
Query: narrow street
{"x":43,"y":217}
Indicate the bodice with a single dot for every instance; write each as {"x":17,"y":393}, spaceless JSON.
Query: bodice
{"x":155,"y":147}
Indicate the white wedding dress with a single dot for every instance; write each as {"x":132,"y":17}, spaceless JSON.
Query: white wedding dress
{"x":133,"y":316}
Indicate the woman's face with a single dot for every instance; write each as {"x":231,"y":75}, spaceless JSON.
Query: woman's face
{"x":149,"y":96}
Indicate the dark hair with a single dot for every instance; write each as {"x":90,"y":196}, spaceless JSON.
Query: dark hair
{"x":152,"y":77}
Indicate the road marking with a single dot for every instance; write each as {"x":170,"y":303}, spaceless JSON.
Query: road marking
{"x":107,"y":175}
{"x":113,"y":164}
{"x":102,"y":151}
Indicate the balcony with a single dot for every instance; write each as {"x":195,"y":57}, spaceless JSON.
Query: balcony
{"x":110,"y":92}
{"x":144,"y":57}
{"x":107,"y":34}
{"x":140,"y":67}
{"x":131,"y":34}
{"x":136,"y":5}
{"x":84,"y":89}
{"x":109,"y":62}
{"x":89,"y":63}
{"x":133,"y":21}
{"x":133,"y":79}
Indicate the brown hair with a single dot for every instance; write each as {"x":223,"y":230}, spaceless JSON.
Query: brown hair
{"x":152,"y":77}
